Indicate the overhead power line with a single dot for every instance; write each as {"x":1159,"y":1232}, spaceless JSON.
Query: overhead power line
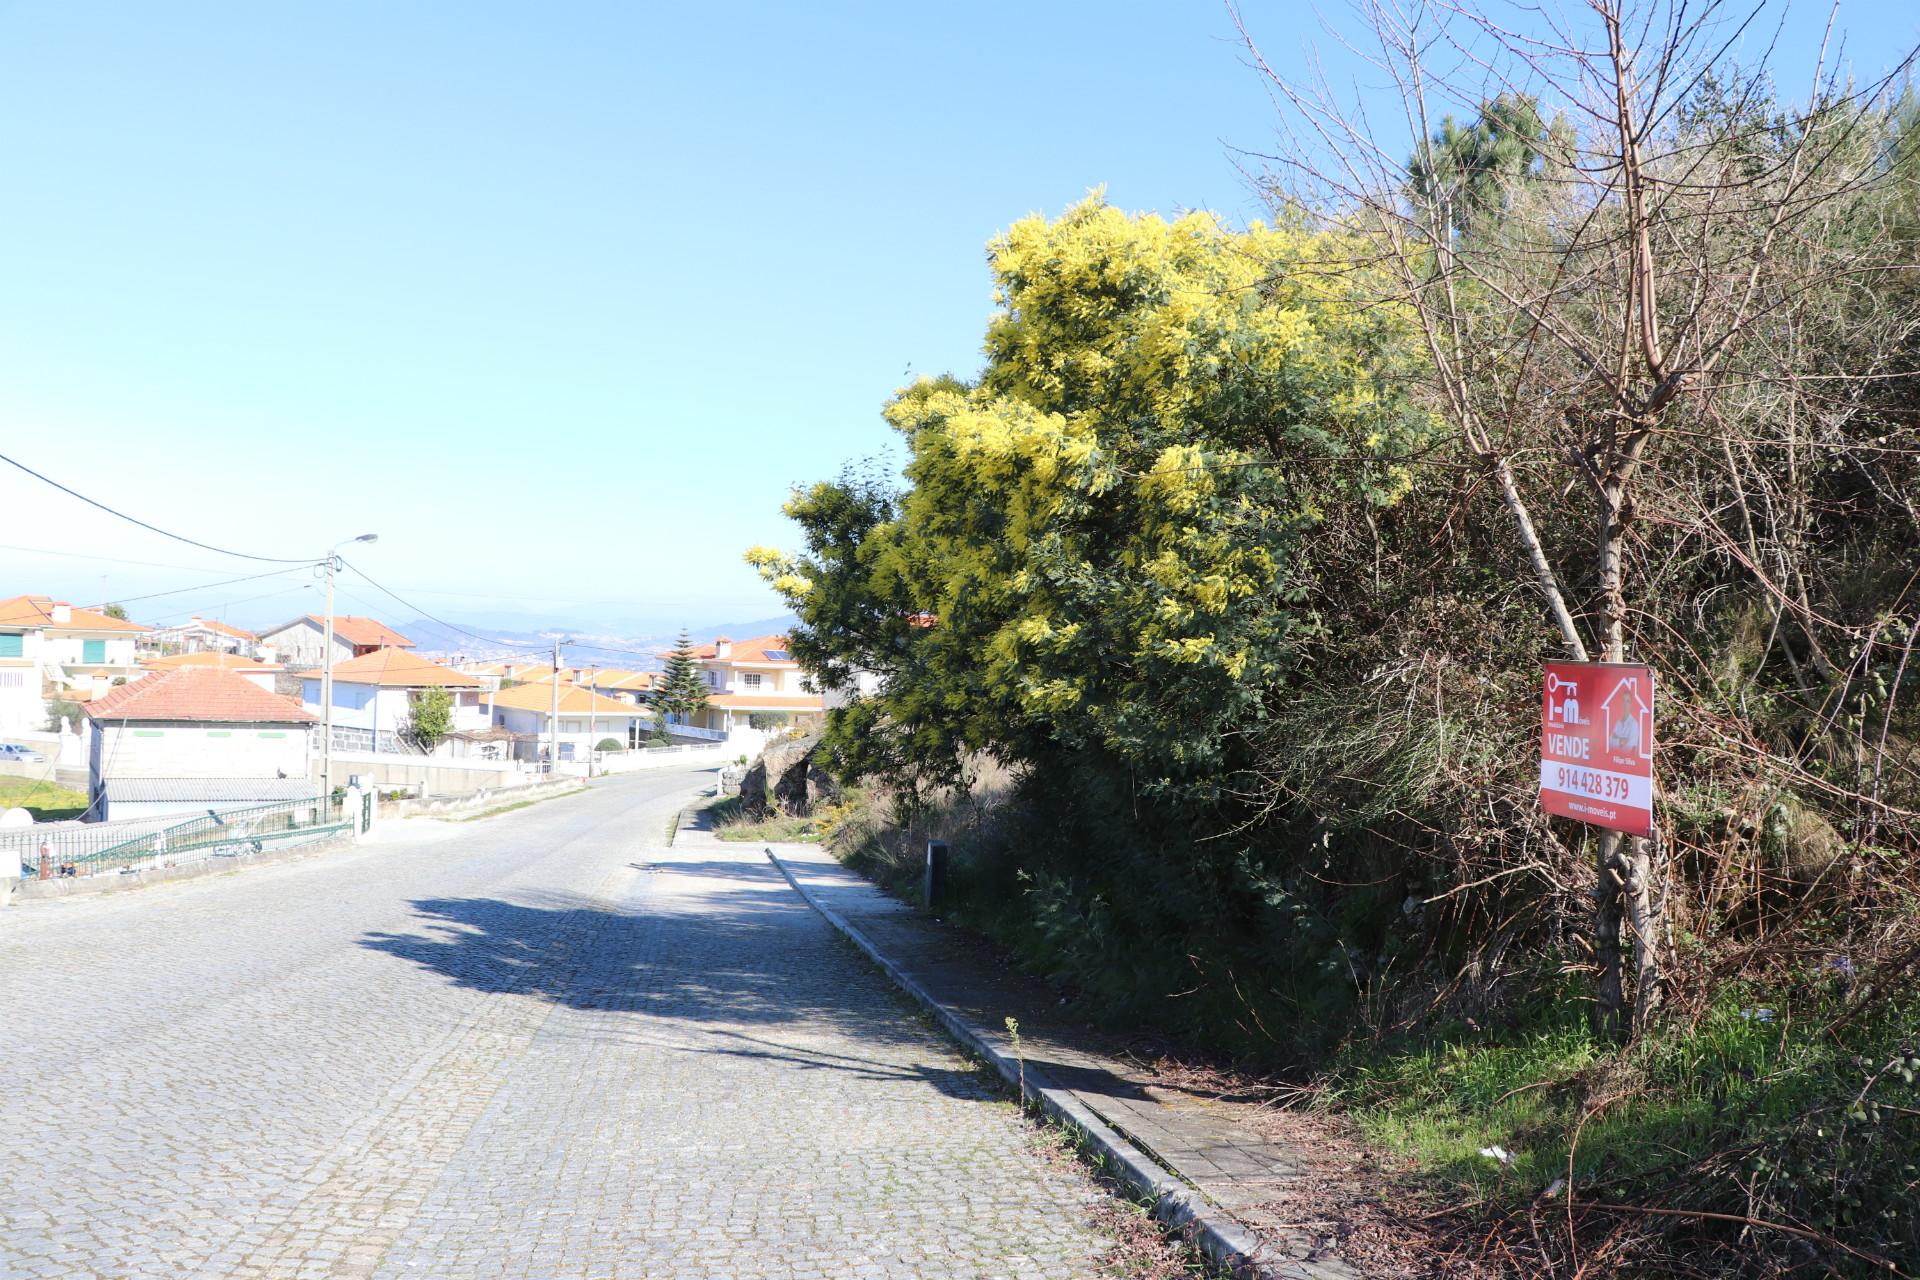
{"x":204,"y":586}
{"x":491,"y":640}
{"x":403,"y":601}
{"x":151,"y":528}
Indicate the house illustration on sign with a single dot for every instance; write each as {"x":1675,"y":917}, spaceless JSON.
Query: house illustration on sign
{"x":1626,"y":714}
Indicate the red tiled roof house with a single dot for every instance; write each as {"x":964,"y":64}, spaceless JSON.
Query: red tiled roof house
{"x":302,"y":642}
{"x":373,"y":697}
{"x":193,"y":739}
{"x":51,"y":647}
{"x":753,"y":685}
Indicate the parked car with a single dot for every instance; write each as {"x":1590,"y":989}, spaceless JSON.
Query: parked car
{"x":24,"y":755}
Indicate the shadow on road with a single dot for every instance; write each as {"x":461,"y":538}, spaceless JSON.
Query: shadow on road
{"x":742,"y":972}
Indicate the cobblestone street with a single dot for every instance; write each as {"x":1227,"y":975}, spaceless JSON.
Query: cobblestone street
{"x":543,"y":1045}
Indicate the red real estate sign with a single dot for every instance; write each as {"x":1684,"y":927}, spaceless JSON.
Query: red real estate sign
{"x":1596,"y":745}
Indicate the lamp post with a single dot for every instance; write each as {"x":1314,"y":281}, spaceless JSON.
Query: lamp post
{"x":326,"y":672}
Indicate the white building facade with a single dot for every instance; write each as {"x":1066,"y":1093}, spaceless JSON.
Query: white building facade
{"x":193,"y":740}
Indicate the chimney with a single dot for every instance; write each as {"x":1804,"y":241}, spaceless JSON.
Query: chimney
{"x":60,"y":612}
{"x":722,"y":647}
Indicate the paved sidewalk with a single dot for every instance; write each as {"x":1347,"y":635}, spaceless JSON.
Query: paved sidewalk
{"x":1202,"y":1142}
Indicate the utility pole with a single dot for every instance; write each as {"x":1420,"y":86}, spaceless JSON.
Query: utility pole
{"x":553,"y":721}
{"x":326,"y":674}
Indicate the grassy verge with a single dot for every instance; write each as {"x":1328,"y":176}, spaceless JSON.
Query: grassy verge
{"x":1781,"y":1110}
{"x":47,"y":801}
{"x":1772,"y":1131}
{"x":731,"y":822}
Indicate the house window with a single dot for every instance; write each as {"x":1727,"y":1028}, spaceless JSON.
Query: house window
{"x":751,"y":681}
{"x":93,"y":652}
{"x":10,"y":646}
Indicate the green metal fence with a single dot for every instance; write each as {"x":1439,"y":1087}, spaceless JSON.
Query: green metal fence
{"x":71,"y":852}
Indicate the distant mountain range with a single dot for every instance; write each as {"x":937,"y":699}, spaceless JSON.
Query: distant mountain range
{"x":609,"y":643}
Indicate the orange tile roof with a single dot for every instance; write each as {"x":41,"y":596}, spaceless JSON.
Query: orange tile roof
{"x":207,"y":658}
{"x":354,"y":630}
{"x":37,"y":611}
{"x":754,"y":650}
{"x":516,"y":670}
{"x":396,"y":669}
{"x":205,"y":694}
{"x":573,"y":701}
{"x":212,"y":624}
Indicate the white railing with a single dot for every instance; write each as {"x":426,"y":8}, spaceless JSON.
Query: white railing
{"x":695,"y":731}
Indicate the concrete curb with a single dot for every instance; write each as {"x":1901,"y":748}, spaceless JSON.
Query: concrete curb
{"x":1216,"y":1232}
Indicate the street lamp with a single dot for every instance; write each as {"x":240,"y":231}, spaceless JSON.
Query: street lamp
{"x":326,"y":672}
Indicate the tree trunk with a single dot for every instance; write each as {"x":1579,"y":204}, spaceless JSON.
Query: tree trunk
{"x":1625,"y":864}
{"x":1609,"y":1004}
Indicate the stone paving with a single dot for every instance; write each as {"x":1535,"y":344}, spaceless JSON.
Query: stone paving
{"x":1208,"y":1143}
{"x":537,"y":1046}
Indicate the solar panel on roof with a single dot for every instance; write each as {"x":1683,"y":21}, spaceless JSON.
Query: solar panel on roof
{"x":778,"y":655}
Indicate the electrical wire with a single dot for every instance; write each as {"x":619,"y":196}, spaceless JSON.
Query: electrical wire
{"x":205,"y":586}
{"x":403,"y":601}
{"x":78,"y":555}
{"x":530,"y":647}
{"x":151,"y":528}
{"x":173,"y":618}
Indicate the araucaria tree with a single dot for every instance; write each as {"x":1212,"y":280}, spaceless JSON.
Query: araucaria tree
{"x":682,"y":692}
{"x":1604,"y":266}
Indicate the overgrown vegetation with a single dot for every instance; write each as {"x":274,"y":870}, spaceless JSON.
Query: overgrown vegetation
{"x":732,"y":822}
{"x":1212,"y":617}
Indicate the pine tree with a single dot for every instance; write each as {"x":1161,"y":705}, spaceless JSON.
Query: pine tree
{"x":683,"y":692}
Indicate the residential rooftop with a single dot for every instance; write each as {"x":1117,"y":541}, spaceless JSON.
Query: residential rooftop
{"x":38,"y":612}
{"x":354,"y":629}
{"x":204,"y":694}
{"x":397,"y":669}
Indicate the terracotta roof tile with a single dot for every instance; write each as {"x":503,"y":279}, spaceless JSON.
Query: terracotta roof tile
{"x":207,"y":658}
{"x":573,"y":701}
{"x":755,"y":650}
{"x":353,"y":629}
{"x":37,"y":611}
{"x":197,"y":693}
{"x":356,"y":630}
{"x":397,"y":669}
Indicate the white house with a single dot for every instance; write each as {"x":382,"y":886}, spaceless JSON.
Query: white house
{"x":586,"y":718}
{"x":373,"y":697}
{"x":194,"y":739}
{"x":303,"y":642}
{"x":50,"y":647}
{"x":754,"y":685}
{"x":201,"y":635}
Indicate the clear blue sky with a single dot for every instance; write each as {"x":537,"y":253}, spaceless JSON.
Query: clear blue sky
{"x":559,"y":299}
